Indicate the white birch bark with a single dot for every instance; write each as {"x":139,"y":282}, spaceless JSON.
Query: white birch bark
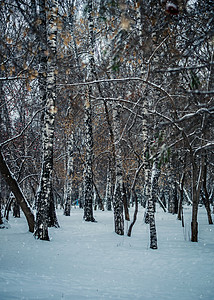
{"x":108,"y":196}
{"x":150,"y":179}
{"x":69,"y":176}
{"x":46,"y":215}
{"x":151,"y":205}
{"x":88,"y":171}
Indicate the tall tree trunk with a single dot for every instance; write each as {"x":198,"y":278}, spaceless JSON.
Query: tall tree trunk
{"x":150,"y":181}
{"x":17,"y":192}
{"x":146,"y":156}
{"x":46,"y":215}
{"x":118,"y":190}
{"x":69,"y":176}
{"x":88,"y":171}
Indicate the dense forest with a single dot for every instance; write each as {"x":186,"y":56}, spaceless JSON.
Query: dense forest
{"x":106,"y":104}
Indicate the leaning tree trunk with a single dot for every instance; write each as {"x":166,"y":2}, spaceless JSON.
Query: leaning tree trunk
{"x":17,"y":192}
{"x":134,"y":197}
{"x":46,"y":215}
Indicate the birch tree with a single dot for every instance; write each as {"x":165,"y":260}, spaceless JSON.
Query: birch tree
{"x":69,"y":175}
{"x":108,"y":197}
{"x":88,"y":168}
{"x":46,"y":215}
{"x":118,"y":188}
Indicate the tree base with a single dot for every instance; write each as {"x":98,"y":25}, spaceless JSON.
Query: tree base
{"x":154,"y":247}
{"x":90,"y":220}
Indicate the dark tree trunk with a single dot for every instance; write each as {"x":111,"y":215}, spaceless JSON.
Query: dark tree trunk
{"x":15,"y":189}
{"x":194,"y":223}
{"x":8,"y":206}
{"x":208,"y":208}
{"x":1,"y":220}
{"x":205,"y":197}
{"x":134,"y":196}
{"x":181,"y":190}
{"x":16,"y":210}
{"x":125,"y":204}
{"x":175,"y":195}
{"x":196,"y":186}
{"x":173,"y":201}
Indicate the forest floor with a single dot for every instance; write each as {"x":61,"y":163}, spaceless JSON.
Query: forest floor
{"x":89,"y":261}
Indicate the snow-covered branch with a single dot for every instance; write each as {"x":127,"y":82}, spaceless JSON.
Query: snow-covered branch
{"x":118,"y":80}
{"x":12,"y":78}
{"x":205,"y":147}
{"x":198,"y":112}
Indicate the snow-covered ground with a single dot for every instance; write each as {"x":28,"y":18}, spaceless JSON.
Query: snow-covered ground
{"x":89,"y":261}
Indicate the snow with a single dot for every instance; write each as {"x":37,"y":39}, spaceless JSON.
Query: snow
{"x":89,"y":261}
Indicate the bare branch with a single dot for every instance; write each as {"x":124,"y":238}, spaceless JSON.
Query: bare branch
{"x":23,"y":130}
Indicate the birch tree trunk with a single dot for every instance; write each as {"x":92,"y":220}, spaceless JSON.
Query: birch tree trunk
{"x":46,"y":215}
{"x":146,"y":156}
{"x":118,"y":190}
{"x":69,"y":176}
{"x":150,"y":179}
{"x":108,"y":196}
{"x":88,"y":171}
{"x":151,"y":205}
